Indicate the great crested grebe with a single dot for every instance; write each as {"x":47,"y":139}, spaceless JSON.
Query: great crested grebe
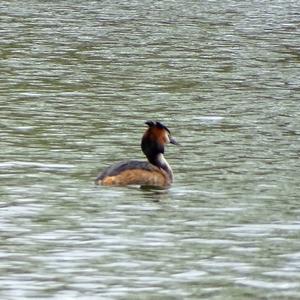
{"x":154,"y":172}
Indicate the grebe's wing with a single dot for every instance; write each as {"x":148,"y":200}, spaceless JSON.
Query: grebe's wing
{"x":133,"y":172}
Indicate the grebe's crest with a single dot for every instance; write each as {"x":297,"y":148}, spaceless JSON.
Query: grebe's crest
{"x":157,"y":125}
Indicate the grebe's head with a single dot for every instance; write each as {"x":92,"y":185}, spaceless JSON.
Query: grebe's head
{"x":155,"y":138}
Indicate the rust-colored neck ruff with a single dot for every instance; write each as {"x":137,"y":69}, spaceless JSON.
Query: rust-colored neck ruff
{"x":152,"y":146}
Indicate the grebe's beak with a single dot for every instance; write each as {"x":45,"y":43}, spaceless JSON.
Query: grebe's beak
{"x":174,"y":142}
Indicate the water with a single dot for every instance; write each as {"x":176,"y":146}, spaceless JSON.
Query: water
{"x":78,"y":79}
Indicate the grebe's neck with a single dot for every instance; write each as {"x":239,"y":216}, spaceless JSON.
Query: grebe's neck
{"x":159,"y":161}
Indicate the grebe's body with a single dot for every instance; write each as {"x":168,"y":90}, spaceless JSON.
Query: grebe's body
{"x":154,"y":172}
